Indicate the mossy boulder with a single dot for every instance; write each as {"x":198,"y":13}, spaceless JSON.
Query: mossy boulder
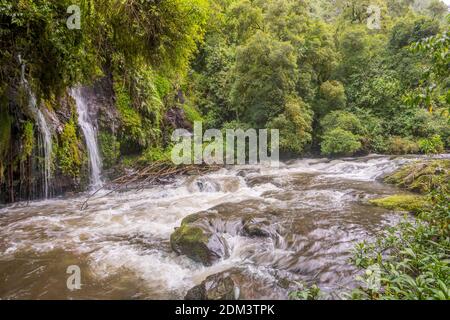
{"x":198,"y":243}
{"x":422,"y":176}
{"x":402,"y":202}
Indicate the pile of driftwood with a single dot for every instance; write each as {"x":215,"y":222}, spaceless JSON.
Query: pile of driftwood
{"x":145,"y":176}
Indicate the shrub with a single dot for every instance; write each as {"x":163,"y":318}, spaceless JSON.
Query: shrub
{"x":191,"y":113}
{"x":373,"y":138}
{"x":399,"y":145}
{"x":431,"y":145}
{"x":295,"y":126}
{"x":340,"y":142}
{"x":155,"y":154}
{"x":332,"y":97}
{"x":412,"y":257}
{"x":426,"y":124}
{"x":343,"y":120}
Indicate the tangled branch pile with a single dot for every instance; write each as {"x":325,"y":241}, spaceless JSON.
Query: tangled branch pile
{"x":145,"y":176}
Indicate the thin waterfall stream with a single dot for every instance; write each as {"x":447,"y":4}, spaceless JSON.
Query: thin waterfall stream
{"x":90,"y":134}
{"x":44,"y":130}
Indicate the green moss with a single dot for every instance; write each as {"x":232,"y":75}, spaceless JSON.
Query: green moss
{"x":192,"y":241}
{"x":162,"y":85}
{"x":189,"y":234}
{"x":153,"y":154}
{"x":27,"y":140}
{"x":401,"y":202}
{"x":192,"y":114}
{"x":69,"y":154}
{"x":422,"y":176}
{"x":5,"y":138}
{"x":109,"y":148}
{"x":131,"y":119}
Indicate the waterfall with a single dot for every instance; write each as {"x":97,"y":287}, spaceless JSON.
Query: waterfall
{"x":90,"y":135}
{"x":43,"y":128}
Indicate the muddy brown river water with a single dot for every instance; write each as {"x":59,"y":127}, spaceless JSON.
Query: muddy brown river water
{"x":318,"y":211}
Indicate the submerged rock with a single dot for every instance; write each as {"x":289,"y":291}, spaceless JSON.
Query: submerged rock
{"x":240,"y":284}
{"x":257,"y":227}
{"x":219,"y":286}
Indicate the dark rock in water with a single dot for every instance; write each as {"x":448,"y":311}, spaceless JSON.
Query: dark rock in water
{"x":245,"y":172}
{"x":240,"y":284}
{"x":199,"y":244}
{"x":219,"y":286}
{"x":257,"y":227}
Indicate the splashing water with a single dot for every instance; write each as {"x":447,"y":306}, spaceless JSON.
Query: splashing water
{"x":44,"y":130}
{"x":90,"y":135}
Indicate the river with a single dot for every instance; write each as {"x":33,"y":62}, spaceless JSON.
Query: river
{"x":317,"y":207}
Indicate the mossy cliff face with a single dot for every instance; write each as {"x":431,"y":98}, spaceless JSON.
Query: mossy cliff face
{"x":21,"y":156}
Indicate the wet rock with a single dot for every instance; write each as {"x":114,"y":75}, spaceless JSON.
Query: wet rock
{"x":245,"y":172}
{"x":176,"y":118}
{"x":257,"y":227}
{"x":209,"y":184}
{"x":220,"y":286}
{"x":240,"y":284}
{"x":200,"y":236}
{"x":422,"y":177}
{"x":199,"y":244}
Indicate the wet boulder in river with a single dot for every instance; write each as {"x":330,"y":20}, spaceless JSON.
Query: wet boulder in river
{"x":239,"y":284}
{"x":219,"y":286}
{"x":199,"y":244}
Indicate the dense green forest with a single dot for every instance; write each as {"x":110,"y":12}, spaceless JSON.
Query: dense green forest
{"x":312,"y":69}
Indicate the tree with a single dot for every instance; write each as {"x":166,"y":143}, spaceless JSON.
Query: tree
{"x":264,"y":76}
{"x":295,"y":125}
{"x":437,"y":9}
{"x":331,"y":97}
